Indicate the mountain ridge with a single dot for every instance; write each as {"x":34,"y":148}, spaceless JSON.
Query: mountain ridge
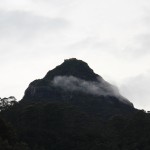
{"x":74,"y":82}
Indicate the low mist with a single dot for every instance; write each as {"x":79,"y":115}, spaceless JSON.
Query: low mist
{"x":71,"y":83}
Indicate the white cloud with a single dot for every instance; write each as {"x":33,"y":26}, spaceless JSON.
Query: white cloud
{"x":71,"y":83}
{"x":25,"y":24}
{"x":137,"y":89}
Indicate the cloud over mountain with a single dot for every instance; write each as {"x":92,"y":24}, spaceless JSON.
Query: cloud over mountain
{"x":71,"y":83}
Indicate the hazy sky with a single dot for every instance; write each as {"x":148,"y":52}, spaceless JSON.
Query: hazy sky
{"x":112,"y":36}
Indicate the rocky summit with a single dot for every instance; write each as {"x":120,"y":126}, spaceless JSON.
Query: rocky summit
{"x":74,"y":82}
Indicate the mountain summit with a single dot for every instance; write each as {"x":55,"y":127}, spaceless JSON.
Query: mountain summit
{"x":75,"y":82}
{"x":73,"y":67}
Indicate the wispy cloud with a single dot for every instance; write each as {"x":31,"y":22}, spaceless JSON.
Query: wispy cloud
{"x":71,"y":83}
{"x":97,"y":88}
{"x":25,"y":24}
{"x":137,"y":89}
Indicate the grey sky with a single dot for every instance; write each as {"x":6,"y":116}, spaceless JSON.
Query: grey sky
{"x":112,"y":36}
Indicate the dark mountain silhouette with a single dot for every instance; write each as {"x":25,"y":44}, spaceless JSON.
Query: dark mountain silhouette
{"x":44,"y":87}
{"x":73,"y":108}
{"x":73,"y":67}
{"x":73,"y":81}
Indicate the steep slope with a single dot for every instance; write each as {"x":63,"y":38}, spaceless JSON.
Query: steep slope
{"x":46,"y":87}
{"x":73,"y":77}
{"x":75,"y":83}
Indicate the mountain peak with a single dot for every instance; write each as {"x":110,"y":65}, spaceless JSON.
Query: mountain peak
{"x":72,"y":79}
{"x":73,"y":67}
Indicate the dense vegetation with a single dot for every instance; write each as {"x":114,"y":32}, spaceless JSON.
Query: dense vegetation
{"x":8,"y":137}
{"x":61,"y":126}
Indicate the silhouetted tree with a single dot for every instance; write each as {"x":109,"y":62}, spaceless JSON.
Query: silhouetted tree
{"x":7,"y":102}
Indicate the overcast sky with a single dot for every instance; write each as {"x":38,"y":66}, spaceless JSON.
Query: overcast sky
{"x":112,"y":36}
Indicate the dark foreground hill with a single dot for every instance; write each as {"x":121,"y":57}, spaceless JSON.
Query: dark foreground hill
{"x":72,"y":108}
